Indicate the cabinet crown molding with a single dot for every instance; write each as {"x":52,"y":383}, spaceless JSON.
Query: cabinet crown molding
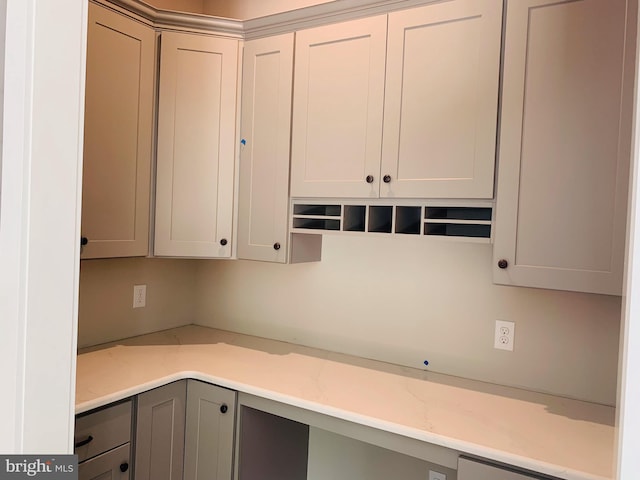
{"x":284,"y":22}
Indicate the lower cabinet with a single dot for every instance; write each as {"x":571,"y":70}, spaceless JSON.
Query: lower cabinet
{"x":103,"y":443}
{"x":160,"y":433}
{"x":185,"y":430}
{"x":209,"y":434}
{"x":112,"y":465}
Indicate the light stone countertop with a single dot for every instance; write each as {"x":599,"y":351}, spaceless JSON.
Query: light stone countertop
{"x":548,"y":434}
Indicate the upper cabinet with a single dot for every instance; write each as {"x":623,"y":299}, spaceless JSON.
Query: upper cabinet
{"x":263,"y":200}
{"x":565,"y":145}
{"x":441,"y":100}
{"x":265,"y":132}
{"x":337,"y":109}
{"x":405,"y":110}
{"x":118,"y":135}
{"x":196,"y":145}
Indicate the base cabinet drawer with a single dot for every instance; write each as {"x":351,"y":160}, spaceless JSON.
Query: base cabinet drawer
{"x":469,"y":469}
{"x":103,"y":430}
{"x":112,"y":465}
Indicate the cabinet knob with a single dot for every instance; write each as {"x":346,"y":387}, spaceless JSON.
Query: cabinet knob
{"x":83,"y":241}
{"x":369,"y":179}
{"x":124,"y":467}
{"x":386,"y":179}
{"x":276,"y":246}
{"x":223,"y":242}
{"x":223,"y":408}
{"x":502,"y":263}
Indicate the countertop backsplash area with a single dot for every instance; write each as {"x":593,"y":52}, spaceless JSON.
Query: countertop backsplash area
{"x":406,"y":300}
{"x":106,"y":310}
{"x":400,"y":300}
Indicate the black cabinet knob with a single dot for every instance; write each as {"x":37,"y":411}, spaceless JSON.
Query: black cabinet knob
{"x":223,"y":408}
{"x":386,"y":179}
{"x":83,"y":241}
{"x":124,"y":467}
{"x":276,"y":246}
{"x":223,"y":242}
{"x":502,"y":263}
{"x":369,"y":179}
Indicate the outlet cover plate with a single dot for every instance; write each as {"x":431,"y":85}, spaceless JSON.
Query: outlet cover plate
{"x":436,"y":475}
{"x":139,"y":296}
{"x":504,"y":335}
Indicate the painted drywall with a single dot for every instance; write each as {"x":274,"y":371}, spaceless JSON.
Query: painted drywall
{"x":106,"y":310}
{"x":340,"y":458}
{"x":405,"y":300}
{"x":241,"y":10}
{"x":247,"y":9}
{"x":191,"y":6}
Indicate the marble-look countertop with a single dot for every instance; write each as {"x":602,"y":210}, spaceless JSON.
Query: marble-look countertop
{"x":548,"y":434}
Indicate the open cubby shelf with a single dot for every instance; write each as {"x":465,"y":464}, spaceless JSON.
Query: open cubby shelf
{"x":466,"y":222}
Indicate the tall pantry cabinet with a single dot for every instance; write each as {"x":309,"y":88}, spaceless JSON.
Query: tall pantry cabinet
{"x":565,"y":144}
{"x":118,"y":135}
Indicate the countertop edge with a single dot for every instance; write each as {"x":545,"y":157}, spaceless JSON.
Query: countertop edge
{"x":435,"y":439}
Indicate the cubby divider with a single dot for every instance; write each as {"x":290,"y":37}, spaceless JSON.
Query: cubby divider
{"x":472,"y":222}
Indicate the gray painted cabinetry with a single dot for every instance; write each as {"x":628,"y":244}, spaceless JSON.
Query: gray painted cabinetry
{"x":160,"y":433}
{"x":102,"y":443}
{"x":185,"y":430}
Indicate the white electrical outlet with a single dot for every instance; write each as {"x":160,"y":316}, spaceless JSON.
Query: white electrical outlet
{"x":139,"y":296}
{"x":436,"y":475}
{"x":504,"y":335}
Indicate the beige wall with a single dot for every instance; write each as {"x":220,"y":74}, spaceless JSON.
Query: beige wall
{"x":239,"y":9}
{"x":401,"y":300}
{"x":106,"y":296}
{"x":405,"y":300}
{"x":192,"y":6}
{"x":247,"y":9}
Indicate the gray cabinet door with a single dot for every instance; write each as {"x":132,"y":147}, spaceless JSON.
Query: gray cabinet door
{"x":160,"y":433}
{"x":113,"y":465}
{"x":209,"y":436}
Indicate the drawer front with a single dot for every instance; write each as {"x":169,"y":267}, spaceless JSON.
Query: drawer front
{"x":469,"y":469}
{"x":102,"y":430}
{"x":113,"y":465}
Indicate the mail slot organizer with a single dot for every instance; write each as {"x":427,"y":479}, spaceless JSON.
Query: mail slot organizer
{"x":453,"y":221}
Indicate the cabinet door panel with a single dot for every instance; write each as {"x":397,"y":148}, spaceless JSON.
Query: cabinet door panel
{"x":565,"y":145}
{"x":107,"y":466}
{"x":441,"y":100}
{"x":118,"y":135}
{"x":337,"y":109}
{"x":209,"y":436}
{"x":196,"y":137}
{"x":160,"y":433}
{"x":263,"y":203}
